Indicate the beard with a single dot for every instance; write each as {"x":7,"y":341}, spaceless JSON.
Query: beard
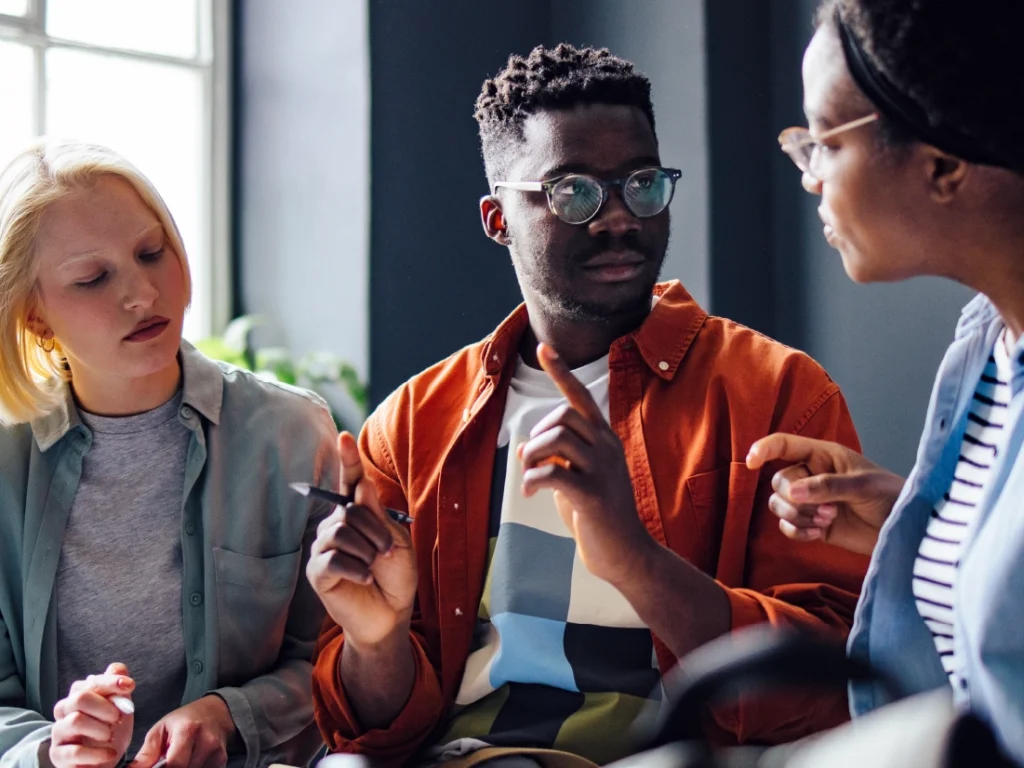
{"x":559,"y":287}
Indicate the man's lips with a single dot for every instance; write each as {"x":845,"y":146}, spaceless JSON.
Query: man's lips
{"x":614,"y":267}
{"x":614,"y":259}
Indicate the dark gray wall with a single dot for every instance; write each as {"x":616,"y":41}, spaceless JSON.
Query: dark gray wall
{"x":436,"y":283}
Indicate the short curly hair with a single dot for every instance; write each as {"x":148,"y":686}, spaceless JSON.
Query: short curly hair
{"x":558,"y":78}
{"x":961,"y":66}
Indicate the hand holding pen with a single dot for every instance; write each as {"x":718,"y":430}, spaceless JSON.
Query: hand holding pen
{"x":342,"y":500}
{"x":93,"y":724}
{"x":362,"y":564}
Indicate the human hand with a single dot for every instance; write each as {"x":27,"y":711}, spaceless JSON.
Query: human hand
{"x":362,"y":563}
{"x":89,"y":730}
{"x":575,"y":452}
{"x":194,"y":736}
{"x":831,"y":493}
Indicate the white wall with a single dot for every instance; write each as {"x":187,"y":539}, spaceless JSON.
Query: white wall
{"x":305,"y":179}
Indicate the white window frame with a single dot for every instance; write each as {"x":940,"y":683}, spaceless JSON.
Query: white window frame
{"x":213,"y":62}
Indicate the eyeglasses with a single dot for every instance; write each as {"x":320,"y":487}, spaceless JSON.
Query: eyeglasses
{"x":577,"y":198}
{"x":802,"y":147}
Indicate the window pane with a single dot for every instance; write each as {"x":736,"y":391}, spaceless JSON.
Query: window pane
{"x":153,"y":114}
{"x":14,"y":7}
{"x":16,"y":96}
{"x":158,"y":26}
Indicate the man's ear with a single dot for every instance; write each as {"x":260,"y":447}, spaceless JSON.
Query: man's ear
{"x":493,"y":220}
{"x":946,"y":174}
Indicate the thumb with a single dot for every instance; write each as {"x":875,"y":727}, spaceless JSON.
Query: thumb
{"x":351,"y":462}
{"x":152,"y":748}
{"x":817,"y":454}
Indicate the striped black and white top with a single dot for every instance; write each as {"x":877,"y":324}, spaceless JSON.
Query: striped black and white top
{"x":939,"y":555}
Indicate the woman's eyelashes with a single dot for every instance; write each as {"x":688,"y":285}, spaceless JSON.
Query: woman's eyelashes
{"x":147,"y":257}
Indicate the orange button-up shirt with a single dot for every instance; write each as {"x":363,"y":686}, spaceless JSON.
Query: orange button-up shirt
{"x":689,"y":394}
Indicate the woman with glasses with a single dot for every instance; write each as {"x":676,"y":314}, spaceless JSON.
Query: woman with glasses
{"x":916,"y":150}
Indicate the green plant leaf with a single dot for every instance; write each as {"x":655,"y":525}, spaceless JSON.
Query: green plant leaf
{"x":215,"y":348}
{"x":278,"y":361}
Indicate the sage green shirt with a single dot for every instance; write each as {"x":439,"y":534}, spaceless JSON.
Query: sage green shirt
{"x":250,"y":618}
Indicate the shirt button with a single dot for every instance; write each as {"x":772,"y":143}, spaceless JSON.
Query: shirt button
{"x":196,"y":598}
{"x":197,"y":667}
{"x":942,"y":423}
{"x":663,"y":365}
{"x":190,"y":528}
{"x":963,"y":683}
{"x":186,"y":412}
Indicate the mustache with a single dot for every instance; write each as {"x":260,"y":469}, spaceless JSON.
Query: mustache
{"x":605,"y":243}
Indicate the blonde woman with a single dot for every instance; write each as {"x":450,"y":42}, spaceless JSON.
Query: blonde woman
{"x":151,"y":553}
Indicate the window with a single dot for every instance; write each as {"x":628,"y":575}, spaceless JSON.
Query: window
{"x":147,"y":78}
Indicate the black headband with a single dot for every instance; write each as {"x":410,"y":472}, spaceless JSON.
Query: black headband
{"x":902,"y":110}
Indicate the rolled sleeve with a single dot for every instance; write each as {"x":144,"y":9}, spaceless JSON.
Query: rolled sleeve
{"x":339,"y":726}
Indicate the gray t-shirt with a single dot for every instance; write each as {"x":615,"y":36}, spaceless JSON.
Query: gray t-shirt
{"x":119,"y":579}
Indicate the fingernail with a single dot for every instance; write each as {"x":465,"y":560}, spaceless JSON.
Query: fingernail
{"x":813,"y":533}
{"x":798,"y":493}
{"x":828,"y":510}
{"x":124,"y":682}
{"x":124,"y":704}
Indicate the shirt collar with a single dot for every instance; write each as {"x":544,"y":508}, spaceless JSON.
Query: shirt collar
{"x":980,"y":315}
{"x":662,"y":340}
{"x":202,"y":384}
{"x":978,"y":311}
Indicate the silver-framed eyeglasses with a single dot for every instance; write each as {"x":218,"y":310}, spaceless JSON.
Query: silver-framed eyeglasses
{"x":803,"y":148}
{"x":576,"y":198}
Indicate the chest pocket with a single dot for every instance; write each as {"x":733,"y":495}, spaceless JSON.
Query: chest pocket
{"x":721,"y":502}
{"x":253,"y":597}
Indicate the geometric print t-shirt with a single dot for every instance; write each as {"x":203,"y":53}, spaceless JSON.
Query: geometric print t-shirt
{"x":560,"y":659}
{"x":938,"y":558}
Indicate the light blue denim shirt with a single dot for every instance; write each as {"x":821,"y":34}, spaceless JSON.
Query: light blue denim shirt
{"x":989,"y":590}
{"x":249,"y":616}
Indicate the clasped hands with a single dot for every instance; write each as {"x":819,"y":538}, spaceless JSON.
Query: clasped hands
{"x":89,"y":730}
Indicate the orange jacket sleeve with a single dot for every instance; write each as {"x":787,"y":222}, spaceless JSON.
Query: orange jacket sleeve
{"x":333,"y":711}
{"x":809,"y":586}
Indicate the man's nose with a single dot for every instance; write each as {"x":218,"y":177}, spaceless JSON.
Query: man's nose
{"x":614,"y":218}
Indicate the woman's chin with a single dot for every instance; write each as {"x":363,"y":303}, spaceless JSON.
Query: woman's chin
{"x":861,"y":270}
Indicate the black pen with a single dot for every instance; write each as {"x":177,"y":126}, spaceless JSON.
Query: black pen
{"x":336,"y":498}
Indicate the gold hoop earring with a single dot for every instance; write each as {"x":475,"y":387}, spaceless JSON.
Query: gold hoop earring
{"x":43,"y":344}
